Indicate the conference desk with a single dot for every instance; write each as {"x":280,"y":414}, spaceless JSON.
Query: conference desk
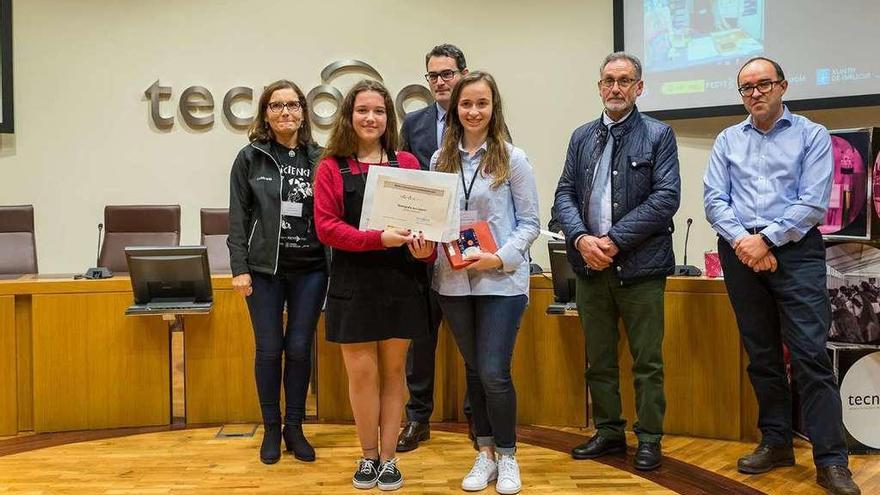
{"x":70,"y":359}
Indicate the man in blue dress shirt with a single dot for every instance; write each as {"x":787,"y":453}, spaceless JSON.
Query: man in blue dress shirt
{"x":766,"y":189}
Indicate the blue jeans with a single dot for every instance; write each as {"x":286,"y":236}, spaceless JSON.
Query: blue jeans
{"x":304,"y":294}
{"x":485,"y":329}
{"x":789,"y":306}
{"x":420,"y":365}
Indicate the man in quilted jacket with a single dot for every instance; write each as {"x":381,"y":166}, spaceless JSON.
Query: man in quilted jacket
{"x":615,"y":201}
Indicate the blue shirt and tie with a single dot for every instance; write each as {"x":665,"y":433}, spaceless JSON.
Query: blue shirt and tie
{"x":779,"y":180}
{"x":599,"y":211}
{"x":441,"y":124}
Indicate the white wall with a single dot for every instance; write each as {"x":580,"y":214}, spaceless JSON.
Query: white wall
{"x":84,"y":136}
{"x":83,"y":133}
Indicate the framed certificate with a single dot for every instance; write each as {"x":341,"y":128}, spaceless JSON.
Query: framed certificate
{"x":418,"y":200}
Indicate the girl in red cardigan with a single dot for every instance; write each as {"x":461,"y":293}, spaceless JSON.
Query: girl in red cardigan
{"x":376,"y":301}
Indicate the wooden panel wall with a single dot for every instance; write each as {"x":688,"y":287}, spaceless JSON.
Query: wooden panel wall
{"x":95,"y":368}
{"x":24,"y":351}
{"x":8,"y":368}
{"x":76,"y":362}
{"x":219,"y":357}
{"x":707,"y":392}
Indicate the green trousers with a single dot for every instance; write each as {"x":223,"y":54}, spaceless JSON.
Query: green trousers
{"x":601,"y":302}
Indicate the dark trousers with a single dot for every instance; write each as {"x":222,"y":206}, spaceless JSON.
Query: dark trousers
{"x":420,"y":365}
{"x":789,"y":307}
{"x":485,"y":329}
{"x":303,"y":292}
{"x":602,"y":301}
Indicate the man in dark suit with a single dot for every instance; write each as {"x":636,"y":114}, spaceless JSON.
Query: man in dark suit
{"x":421,"y":134}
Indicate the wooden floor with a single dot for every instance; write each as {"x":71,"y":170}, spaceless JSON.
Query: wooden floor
{"x":196,"y":461}
{"x":720,"y":457}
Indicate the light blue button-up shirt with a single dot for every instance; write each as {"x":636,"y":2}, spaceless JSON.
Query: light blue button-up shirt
{"x":600,"y":222}
{"x":512,"y":213}
{"x":441,"y":124}
{"x":780,"y":179}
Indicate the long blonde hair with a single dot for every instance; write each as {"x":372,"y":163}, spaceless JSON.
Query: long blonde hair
{"x":496,"y":161}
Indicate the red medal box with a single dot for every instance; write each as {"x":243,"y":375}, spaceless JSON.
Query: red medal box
{"x":473,"y":238}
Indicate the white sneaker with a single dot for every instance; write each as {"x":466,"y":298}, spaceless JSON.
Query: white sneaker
{"x":484,"y":471}
{"x":508,"y":476}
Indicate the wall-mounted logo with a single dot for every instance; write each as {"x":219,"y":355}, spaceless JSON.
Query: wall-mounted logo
{"x":860,"y":394}
{"x":196,"y":103}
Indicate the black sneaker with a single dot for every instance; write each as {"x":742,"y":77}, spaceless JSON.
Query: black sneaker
{"x":389,"y":476}
{"x":366,"y":475}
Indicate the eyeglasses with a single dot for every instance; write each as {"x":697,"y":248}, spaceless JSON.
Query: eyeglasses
{"x":763,"y":87}
{"x":446,"y":75}
{"x":278,"y":107}
{"x":623,"y":84}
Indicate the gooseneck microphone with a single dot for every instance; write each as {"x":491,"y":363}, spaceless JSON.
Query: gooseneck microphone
{"x":98,"y":271}
{"x":101,"y":230}
{"x":687,"y":234}
{"x":686,"y":270}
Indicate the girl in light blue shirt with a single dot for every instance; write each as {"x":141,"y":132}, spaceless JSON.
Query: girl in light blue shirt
{"x":484,"y":302}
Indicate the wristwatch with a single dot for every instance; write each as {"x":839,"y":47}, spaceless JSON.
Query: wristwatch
{"x":766,"y":240}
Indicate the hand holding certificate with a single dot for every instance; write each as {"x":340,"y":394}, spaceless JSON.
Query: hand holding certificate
{"x":417,"y":200}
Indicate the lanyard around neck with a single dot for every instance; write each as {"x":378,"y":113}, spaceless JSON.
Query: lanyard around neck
{"x":467,"y":190}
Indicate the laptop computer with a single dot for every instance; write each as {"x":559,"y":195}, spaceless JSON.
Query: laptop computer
{"x":169,"y":280}
{"x":563,"y":279}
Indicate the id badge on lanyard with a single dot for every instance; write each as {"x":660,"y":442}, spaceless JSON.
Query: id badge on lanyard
{"x":468,"y":217}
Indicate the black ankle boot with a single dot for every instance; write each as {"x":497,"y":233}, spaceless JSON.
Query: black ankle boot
{"x":270,"y":451}
{"x":295,"y":442}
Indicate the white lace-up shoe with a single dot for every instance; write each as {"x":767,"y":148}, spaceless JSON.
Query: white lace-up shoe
{"x":508,"y":482}
{"x":481,"y":474}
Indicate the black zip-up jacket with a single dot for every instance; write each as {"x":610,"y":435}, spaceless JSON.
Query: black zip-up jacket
{"x":255,"y":207}
{"x":645,"y":193}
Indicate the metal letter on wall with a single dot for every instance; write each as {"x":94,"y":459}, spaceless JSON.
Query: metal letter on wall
{"x":238,"y":92}
{"x":156,"y":93}
{"x":326,"y":90}
{"x":411,"y":91}
{"x":197,"y":98}
{"x":323,"y":90}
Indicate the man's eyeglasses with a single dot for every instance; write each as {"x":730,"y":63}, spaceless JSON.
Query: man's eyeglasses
{"x":446,"y":75}
{"x":623,"y":84}
{"x":278,"y":107}
{"x":763,"y":87}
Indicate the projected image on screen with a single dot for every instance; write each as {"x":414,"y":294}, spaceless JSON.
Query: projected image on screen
{"x":684,"y":33}
{"x":691,"y":49}
{"x":848,"y":185}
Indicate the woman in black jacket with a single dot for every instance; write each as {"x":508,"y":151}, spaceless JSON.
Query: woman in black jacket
{"x":276,"y":259}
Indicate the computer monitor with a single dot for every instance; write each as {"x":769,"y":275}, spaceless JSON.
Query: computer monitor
{"x":563,"y":275}
{"x":169,"y":274}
